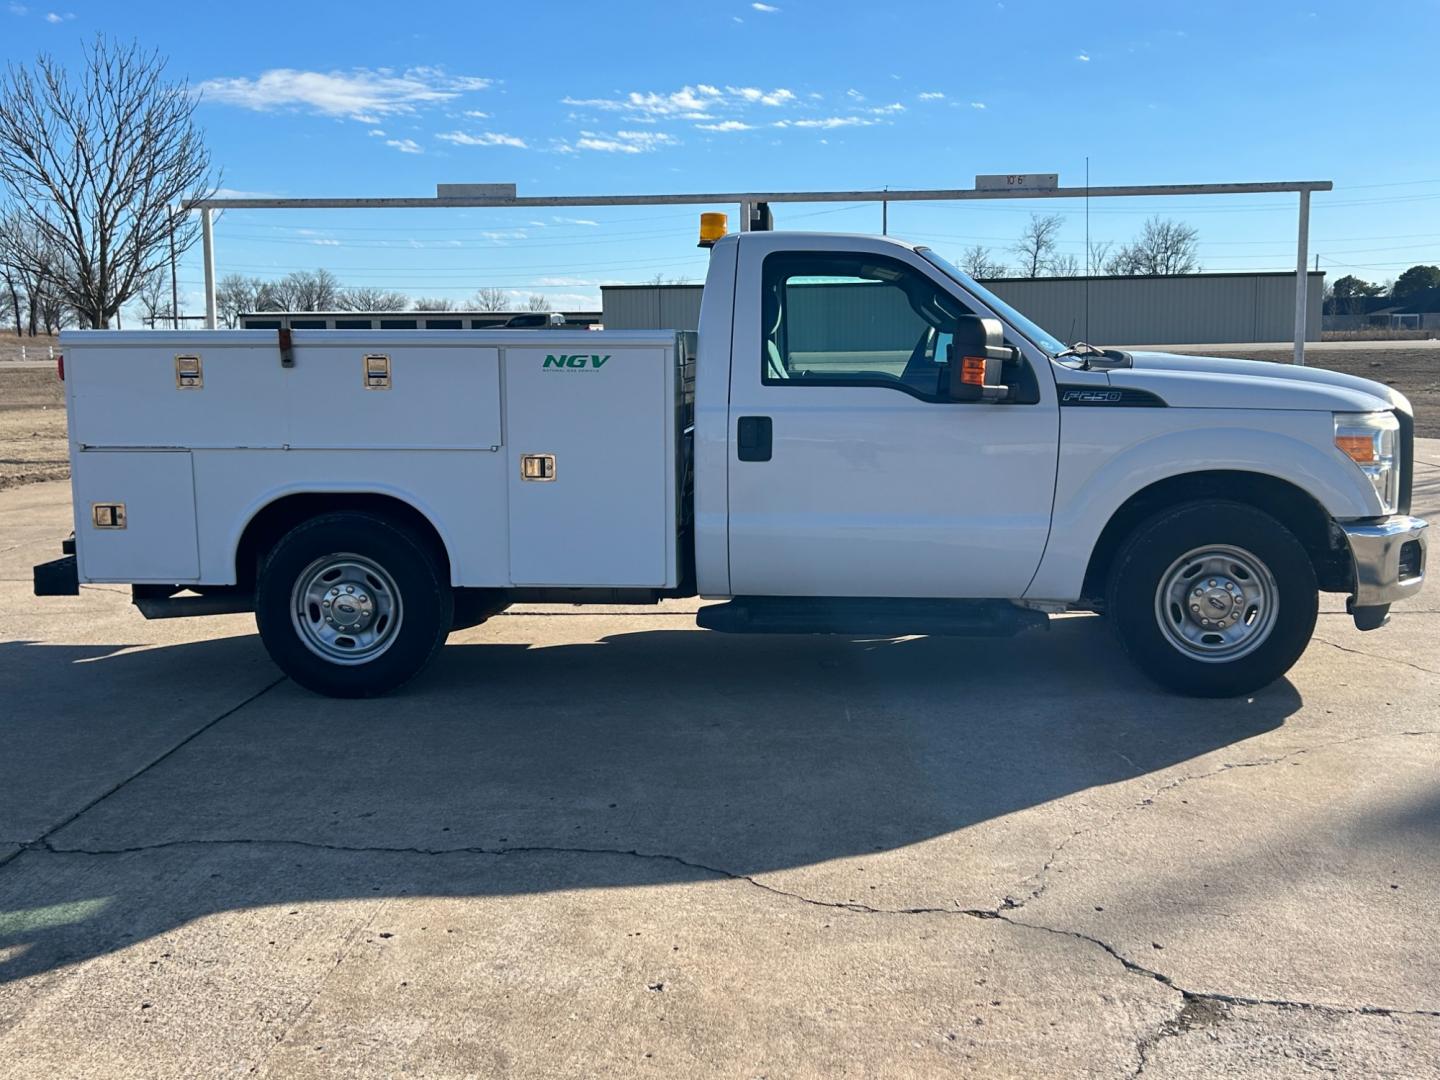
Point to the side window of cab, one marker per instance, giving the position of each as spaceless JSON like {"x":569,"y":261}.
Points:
{"x":841,"y":319}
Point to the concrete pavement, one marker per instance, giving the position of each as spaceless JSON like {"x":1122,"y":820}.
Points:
{"x":610,"y":844}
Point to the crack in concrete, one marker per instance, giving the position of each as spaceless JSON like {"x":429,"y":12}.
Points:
{"x":43,"y":840}
{"x":1011,"y":904}
{"x":987,"y":914}
{"x":1373,"y":656}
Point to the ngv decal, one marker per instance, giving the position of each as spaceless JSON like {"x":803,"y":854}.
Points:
{"x":590,"y":362}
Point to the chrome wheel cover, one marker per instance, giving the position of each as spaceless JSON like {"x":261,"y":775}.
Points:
{"x":345,"y":608}
{"x":1217,"y":603}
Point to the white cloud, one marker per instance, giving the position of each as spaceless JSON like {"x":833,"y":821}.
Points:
{"x":769,"y":9}
{"x":828,"y":122}
{"x":686,"y":100}
{"x":476,"y":114}
{"x":621,"y":142}
{"x":405,"y":146}
{"x":18,"y":9}
{"x":361,"y":93}
{"x":727,"y":125}
{"x":574,"y":221}
{"x":978,"y":105}
{"x":236,"y":193}
{"x":54,"y":18}
{"x":753,"y":95}
{"x":1084,"y":58}
{"x":932,"y":95}
{"x":881,"y":110}
{"x":698,"y":102}
{"x":325,"y":242}
{"x":485,"y":138}
{"x":854,"y":95}
{"x":501,"y":236}
{"x":376,"y":133}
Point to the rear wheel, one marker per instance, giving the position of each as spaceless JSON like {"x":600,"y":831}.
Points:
{"x":1213,"y":599}
{"x":352,"y":604}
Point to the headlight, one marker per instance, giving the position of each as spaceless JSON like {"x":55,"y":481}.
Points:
{"x":1369,"y":439}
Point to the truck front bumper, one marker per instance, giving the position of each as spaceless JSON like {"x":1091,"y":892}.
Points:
{"x":1389,"y":557}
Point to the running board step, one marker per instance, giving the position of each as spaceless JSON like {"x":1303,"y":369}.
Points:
{"x":868,"y":616}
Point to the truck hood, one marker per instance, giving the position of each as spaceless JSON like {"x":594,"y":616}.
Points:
{"x":1212,"y":382}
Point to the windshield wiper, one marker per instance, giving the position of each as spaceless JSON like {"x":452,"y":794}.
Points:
{"x":1082,"y":349}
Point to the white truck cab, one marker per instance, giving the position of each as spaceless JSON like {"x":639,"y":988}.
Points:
{"x":866,"y":441}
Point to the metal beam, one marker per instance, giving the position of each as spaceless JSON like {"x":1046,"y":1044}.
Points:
{"x":746,"y":200}
{"x":207,"y":236}
{"x":1302,"y":286}
{"x":698,"y":198}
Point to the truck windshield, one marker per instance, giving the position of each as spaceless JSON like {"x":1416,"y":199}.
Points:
{"x":1037,"y":335}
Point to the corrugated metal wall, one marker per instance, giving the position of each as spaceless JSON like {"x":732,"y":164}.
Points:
{"x":1182,"y":310}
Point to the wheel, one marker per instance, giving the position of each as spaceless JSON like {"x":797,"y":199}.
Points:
{"x":352,"y":604}
{"x":1213,"y":599}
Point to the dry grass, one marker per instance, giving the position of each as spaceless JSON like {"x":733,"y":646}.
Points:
{"x":36,"y":348}
{"x":33,"y":442}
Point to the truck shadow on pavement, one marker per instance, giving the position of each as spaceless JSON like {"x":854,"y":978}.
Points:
{"x":642,"y":758}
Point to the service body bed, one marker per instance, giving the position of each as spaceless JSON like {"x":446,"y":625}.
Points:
{"x":193,"y":460}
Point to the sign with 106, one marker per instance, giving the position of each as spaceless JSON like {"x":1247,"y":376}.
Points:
{"x":1018,"y":182}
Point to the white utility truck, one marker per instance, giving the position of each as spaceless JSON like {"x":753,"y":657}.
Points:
{"x":866,"y":443}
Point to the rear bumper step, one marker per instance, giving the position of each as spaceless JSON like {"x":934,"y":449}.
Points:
{"x":59,"y":577}
{"x":868,"y":617}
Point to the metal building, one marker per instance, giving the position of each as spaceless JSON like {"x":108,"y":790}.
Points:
{"x":1182,"y":309}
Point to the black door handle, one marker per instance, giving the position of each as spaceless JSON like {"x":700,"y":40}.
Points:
{"x":753,"y":438}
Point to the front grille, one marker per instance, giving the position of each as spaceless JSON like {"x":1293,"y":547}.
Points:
{"x":1407,"y":457}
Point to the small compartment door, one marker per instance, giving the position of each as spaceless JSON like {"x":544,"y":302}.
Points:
{"x":153,"y":538}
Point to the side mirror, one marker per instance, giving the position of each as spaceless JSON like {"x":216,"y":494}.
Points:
{"x":977,"y":360}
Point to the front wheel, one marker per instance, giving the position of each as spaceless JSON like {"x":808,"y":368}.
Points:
{"x":1213,"y":599}
{"x":352,"y":604}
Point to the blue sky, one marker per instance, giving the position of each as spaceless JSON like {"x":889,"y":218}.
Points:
{"x":564,"y":98}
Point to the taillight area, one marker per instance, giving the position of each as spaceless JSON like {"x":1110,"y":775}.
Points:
{"x":60,"y":366}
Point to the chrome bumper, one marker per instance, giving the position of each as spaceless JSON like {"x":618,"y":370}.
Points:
{"x":1389,"y":556}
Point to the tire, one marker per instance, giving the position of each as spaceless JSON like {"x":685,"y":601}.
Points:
{"x":352,"y":604}
{"x":1226,"y":639}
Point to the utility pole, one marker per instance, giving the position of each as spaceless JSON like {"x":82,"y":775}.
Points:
{"x":885,"y":215}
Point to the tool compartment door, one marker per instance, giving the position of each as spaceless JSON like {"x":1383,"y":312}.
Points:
{"x":157,"y":490}
{"x":606,"y":416}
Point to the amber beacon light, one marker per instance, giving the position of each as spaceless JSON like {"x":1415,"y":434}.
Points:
{"x":712,"y":228}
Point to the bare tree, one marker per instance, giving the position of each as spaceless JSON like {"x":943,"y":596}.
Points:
{"x":1067,"y":265}
{"x":236,"y":294}
{"x":978,"y":263}
{"x":434,"y":303}
{"x":537,"y":302}
{"x":311,"y":290}
{"x":369,"y":298}
{"x":154,"y":297}
{"x":491,"y":299}
{"x":31,"y":263}
{"x":661,"y":279}
{"x":1099,"y":255}
{"x":95,"y":163}
{"x":1036,"y":246}
{"x":1163,"y":247}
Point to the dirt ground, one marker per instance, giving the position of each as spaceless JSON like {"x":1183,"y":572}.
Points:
{"x":32,"y":403}
{"x":32,"y":426}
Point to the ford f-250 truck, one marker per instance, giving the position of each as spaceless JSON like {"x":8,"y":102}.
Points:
{"x":872,"y":444}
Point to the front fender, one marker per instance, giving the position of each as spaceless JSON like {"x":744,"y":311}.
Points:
{"x":1107,"y":455}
